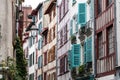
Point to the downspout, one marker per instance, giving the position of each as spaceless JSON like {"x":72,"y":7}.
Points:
{"x":56,"y":39}
{"x":115,"y":29}
{"x":94,"y":40}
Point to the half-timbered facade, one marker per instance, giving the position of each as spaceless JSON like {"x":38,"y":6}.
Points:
{"x":49,"y":40}
{"x":105,"y":39}
{"x":63,"y":43}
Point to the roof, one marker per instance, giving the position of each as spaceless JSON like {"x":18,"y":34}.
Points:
{"x":34,"y":11}
{"x":51,"y":4}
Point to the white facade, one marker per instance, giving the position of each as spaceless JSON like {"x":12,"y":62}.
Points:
{"x":117,"y":41}
{"x":109,"y":77}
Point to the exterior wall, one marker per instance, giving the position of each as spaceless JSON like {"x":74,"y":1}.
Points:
{"x":117,"y":43}
{"x":109,"y":77}
{"x":50,"y":68}
{"x":62,"y":51}
{"x":118,"y":30}
{"x":7,"y":28}
{"x":102,"y":21}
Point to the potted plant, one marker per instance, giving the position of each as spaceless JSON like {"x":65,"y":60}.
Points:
{"x":73,"y":39}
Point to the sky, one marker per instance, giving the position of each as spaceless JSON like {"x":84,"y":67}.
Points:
{"x":33,"y":3}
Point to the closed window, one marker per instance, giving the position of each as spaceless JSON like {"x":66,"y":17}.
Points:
{"x":110,"y":39}
{"x":108,"y":2}
{"x":45,"y":58}
{"x":31,"y":76}
{"x":40,"y":13}
{"x":63,"y":64}
{"x":40,"y":62}
{"x":99,"y":6}
{"x":100,"y":45}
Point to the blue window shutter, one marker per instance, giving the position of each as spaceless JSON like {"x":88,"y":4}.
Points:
{"x":40,"y":27}
{"x":71,"y":27}
{"x":70,"y":59}
{"x":39,"y":45}
{"x":33,"y":18}
{"x":82,"y":13}
{"x":84,"y":52}
{"x":89,"y":49}
{"x":39,"y":62}
{"x":76,"y":55}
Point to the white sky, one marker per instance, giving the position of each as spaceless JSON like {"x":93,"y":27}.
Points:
{"x":33,"y":3}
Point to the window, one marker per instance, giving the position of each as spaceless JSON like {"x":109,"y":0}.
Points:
{"x":33,"y":18}
{"x":61,"y":37}
{"x":65,"y":34}
{"x":33,"y":57}
{"x":31,"y":76}
{"x":30,"y":41}
{"x":100,"y":45}
{"x":110,"y":40}
{"x":30,"y":60}
{"x":50,"y":16}
{"x":40,"y":44}
{"x":63,"y":64}
{"x":108,"y":2}
{"x":40,"y":77}
{"x":99,"y":6}
{"x":40,"y":13}
{"x":63,"y":8}
{"x":54,"y":12}
{"x":40,"y":27}
{"x":54,"y":32}
{"x":45,"y":58}
{"x":45,"y":39}
{"x":51,"y":54}
{"x":40,"y":61}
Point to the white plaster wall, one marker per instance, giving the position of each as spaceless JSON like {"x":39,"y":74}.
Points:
{"x":110,"y":77}
{"x":118,"y":29}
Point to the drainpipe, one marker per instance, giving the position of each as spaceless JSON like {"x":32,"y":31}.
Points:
{"x":115,"y":28}
{"x":56,"y":39}
{"x":94,"y":41}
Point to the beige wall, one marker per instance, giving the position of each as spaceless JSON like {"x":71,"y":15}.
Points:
{"x":6,"y":48}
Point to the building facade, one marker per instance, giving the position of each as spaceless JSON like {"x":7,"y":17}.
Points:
{"x":105,"y":53}
{"x":49,"y":35}
{"x":63,"y":42}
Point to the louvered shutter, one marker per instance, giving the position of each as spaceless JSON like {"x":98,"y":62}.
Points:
{"x":75,"y":55}
{"x":82,"y":13}
{"x":89,"y":49}
{"x":84,"y":52}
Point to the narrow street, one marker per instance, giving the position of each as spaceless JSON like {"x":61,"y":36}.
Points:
{"x":59,"y":40}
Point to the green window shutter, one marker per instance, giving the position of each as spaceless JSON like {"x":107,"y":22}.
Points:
{"x":71,"y":27}
{"x":75,"y":55}
{"x":89,"y":49}
{"x":82,"y":13}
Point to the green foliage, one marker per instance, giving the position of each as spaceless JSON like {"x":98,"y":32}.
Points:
{"x":73,"y":39}
{"x":20,"y":61}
